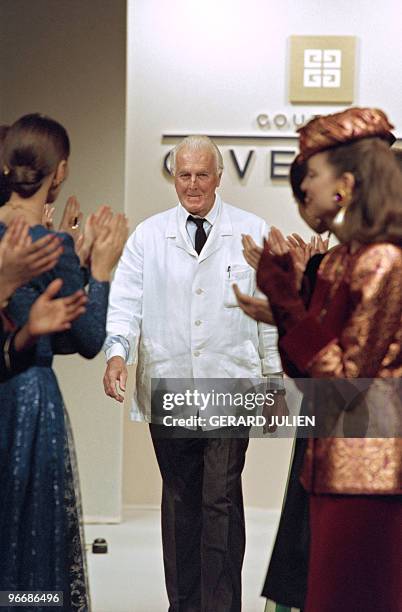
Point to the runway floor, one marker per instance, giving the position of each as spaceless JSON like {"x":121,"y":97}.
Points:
{"x":129,"y":578}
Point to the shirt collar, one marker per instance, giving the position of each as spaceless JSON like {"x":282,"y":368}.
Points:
{"x":211,"y":216}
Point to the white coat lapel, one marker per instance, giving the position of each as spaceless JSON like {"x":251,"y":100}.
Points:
{"x":222,"y":227}
{"x":177,"y":230}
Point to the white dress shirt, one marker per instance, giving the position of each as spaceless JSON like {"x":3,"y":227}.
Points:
{"x":209,"y":220}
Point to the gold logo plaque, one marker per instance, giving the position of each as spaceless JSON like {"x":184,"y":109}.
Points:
{"x":322,"y":69}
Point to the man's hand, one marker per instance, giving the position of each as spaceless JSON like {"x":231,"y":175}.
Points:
{"x":279,"y":409}
{"x":115,"y":378}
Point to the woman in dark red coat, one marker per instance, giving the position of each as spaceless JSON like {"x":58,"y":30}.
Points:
{"x":352,"y":329}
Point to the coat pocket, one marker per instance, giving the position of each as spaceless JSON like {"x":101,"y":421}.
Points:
{"x":244,"y":277}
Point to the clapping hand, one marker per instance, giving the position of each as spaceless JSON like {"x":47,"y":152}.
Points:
{"x":49,"y":315}
{"x":277,"y":269}
{"x":303,"y":251}
{"x":299,"y":250}
{"x":108,"y":246}
{"x":21,"y":259}
{"x":259,"y":308}
{"x":47,"y":217}
{"x":276,"y":242}
{"x":93,"y":226}
{"x":279,"y":279}
{"x":254,"y":307}
{"x":289,"y":256}
{"x":251,"y":251}
{"x":71,"y":219}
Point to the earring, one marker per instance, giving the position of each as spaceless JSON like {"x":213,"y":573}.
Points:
{"x":339,"y":218}
{"x":343,"y":199}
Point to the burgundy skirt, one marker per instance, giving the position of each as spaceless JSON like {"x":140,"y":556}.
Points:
{"x":356,"y":554}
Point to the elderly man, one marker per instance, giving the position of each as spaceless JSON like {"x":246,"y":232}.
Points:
{"x":173,"y":311}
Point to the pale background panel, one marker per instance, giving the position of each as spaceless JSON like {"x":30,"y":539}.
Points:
{"x":214,"y":66}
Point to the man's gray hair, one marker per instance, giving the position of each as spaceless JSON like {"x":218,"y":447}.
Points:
{"x":193,"y":143}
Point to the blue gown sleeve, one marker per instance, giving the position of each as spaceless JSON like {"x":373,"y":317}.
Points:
{"x":88,"y":332}
{"x":13,"y":362}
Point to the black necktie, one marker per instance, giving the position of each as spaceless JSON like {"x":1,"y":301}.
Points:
{"x":200,"y":235}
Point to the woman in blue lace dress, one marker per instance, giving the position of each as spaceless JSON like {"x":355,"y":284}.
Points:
{"x":41,"y":543}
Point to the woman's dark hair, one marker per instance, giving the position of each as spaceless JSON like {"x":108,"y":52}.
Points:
{"x":32,"y":149}
{"x":4,"y":190}
{"x":375,"y":213}
{"x":297,"y":173}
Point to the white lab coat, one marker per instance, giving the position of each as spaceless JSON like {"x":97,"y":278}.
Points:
{"x":177,"y":310}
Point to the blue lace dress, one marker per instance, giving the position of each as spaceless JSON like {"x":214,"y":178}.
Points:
{"x":41,"y":539}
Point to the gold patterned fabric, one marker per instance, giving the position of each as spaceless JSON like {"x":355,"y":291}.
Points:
{"x":368,"y":346}
{"x":322,"y":133}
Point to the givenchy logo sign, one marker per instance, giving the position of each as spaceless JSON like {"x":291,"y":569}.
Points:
{"x":322,"y":69}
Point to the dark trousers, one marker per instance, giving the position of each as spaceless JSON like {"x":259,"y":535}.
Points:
{"x":203,"y":531}
{"x":286,"y":581}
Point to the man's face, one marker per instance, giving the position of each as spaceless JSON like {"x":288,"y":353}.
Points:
{"x":196,"y":179}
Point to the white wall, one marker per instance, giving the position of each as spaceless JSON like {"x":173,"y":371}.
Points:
{"x":213,"y":66}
